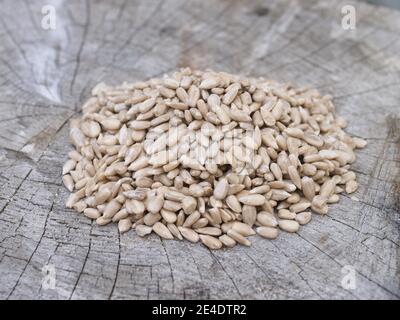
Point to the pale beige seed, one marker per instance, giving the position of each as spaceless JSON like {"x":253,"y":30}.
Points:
{"x":215,"y":215}
{"x":327,"y":188}
{"x":318,"y":205}
{"x":308,"y":169}
{"x":231,"y":93}
{"x":289,"y":225}
{"x":174,"y":230}
{"x":249,"y":214}
{"x":211,"y":231}
{"x":151,"y":218}
{"x":111,"y":124}
{"x":124,"y":225}
{"x":308,"y":187}
{"x":137,"y":194}
{"x":79,"y":206}
{"x":267,"y":219}
{"x":333,"y":198}
{"x":347,"y":177}
{"x":276,"y":171}
{"x":279,"y":194}
{"x":286,"y":214}
{"x":154,"y":203}
{"x":68,"y":166}
{"x":300,"y":206}
{"x":221,"y":189}
{"x":68,"y":182}
{"x":189,"y":204}
{"x":92,"y":213}
{"x":143,"y":230}
{"x":209,"y":83}
{"x":233,"y":203}
{"x":351,"y":186}
{"x":121,"y":214}
{"x":172,"y":205}
{"x":192,"y":218}
{"x":267,"y":232}
{"x":252,"y":199}
{"x":267,"y":116}
{"x":132,"y":153}
{"x":77,"y":137}
{"x":111,"y":209}
{"x":238,"y":237}
{"x":313,"y":140}
{"x":180,"y":219}
{"x":240,"y":116}
{"x":319,"y":201}
{"x":243,"y":228}
{"x":294,"y":176}
{"x":162,"y":231}
{"x":174,"y":195}
{"x":226,"y":226}
{"x":201,"y":223}
{"x":227,"y":241}
{"x":269,"y":140}
{"x":146,"y":105}
{"x":168,"y":216}
{"x":295,"y":132}
{"x":189,"y":234}
{"x":210,"y":242}
{"x":328,"y":154}
{"x":260,"y":189}
{"x":359,"y":143}
{"x":303,"y":217}
{"x":90,"y":129}
{"x":294,"y":198}
{"x":102,"y":221}
{"x":135,"y":206}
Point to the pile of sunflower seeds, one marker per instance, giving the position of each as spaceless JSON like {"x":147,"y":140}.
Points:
{"x":208,"y":156}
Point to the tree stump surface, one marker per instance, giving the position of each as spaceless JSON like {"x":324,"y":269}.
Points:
{"x":46,"y":75}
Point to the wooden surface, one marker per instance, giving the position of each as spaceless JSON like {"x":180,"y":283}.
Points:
{"x":46,"y":75}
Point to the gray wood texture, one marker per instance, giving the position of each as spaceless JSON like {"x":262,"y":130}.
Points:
{"x":46,"y":75}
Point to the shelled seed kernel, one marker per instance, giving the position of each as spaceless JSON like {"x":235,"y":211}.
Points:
{"x":208,"y":156}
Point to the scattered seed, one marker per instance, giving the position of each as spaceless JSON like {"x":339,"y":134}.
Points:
{"x":351,"y":186}
{"x":267,"y":232}
{"x":243,"y":228}
{"x":189,"y":234}
{"x":162,"y":231}
{"x":143,"y":230}
{"x":238,"y":237}
{"x":210,"y":242}
{"x":289,"y":225}
{"x":303,"y":217}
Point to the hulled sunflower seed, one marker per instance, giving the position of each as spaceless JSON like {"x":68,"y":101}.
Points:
{"x":267,"y":232}
{"x":208,"y":151}
{"x":210,"y":242}
{"x":238,"y":237}
{"x":162,"y":231}
{"x":289,"y":225}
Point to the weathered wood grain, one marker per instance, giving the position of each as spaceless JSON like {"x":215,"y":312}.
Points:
{"x":46,"y":75}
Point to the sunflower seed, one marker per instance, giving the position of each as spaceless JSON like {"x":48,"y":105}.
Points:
{"x":210,"y":242}
{"x":267,"y":232}
{"x":162,"y":231}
